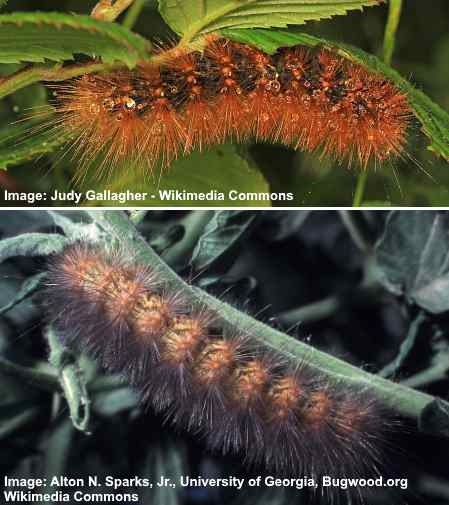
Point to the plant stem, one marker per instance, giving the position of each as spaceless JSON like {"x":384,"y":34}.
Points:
{"x":394,"y":15}
{"x":44,"y":380}
{"x":433,"y":374}
{"x":37,"y":73}
{"x":360,"y":188}
{"x":105,"y":11}
{"x":401,"y":399}
{"x":133,"y":13}
{"x":356,"y":226}
{"x":406,"y":347}
{"x":328,"y":307}
{"x":194,"y":224}
{"x":137,"y":216}
{"x":311,"y":312}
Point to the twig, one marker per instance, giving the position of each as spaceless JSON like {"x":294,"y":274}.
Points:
{"x":37,"y":73}
{"x":315,"y":311}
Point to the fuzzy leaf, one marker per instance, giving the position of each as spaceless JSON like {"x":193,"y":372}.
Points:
{"x":221,"y":236}
{"x":3,"y":3}
{"x":39,"y":37}
{"x":72,"y":379}
{"x":434,"y":120}
{"x":31,"y":244}
{"x":413,"y":258}
{"x":191,"y":18}
{"x":28,"y":287}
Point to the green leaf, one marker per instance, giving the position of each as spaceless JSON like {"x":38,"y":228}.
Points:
{"x":29,"y":287}
{"x":57,"y":450}
{"x":221,"y":236}
{"x":25,"y":141}
{"x":110,"y":403}
{"x":18,"y":415}
{"x":72,"y":379}
{"x":214,"y":172}
{"x":34,"y":376}
{"x":434,"y":120}
{"x":281,"y":224}
{"x":39,"y":37}
{"x":31,"y":244}
{"x":191,"y":18}
{"x":413,"y":258}
{"x":407,"y":346}
{"x":3,"y":3}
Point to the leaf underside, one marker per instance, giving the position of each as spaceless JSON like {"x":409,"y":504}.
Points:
{"x":191,"y":18}
{"x":413,"y":258}
{"x":39,"y":37}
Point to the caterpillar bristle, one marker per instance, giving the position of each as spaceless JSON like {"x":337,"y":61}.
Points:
{"x":304,"y":98}
{"x":229,"y":388}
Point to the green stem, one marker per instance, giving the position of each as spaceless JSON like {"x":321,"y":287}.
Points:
{"x":433,"y":374}
{"x":37,"y":73}
{"x":328,"y":307}
{"x":133,"y":13}
{"x":312,"y":312}
{"x":360,"y":188}
{"x":194,"y":224}
{"x":401,"y":399}
{"x":405,"y":348}
{"x":354,"y":222}
{"x":394,"y":15}
{"x":44,"y":380}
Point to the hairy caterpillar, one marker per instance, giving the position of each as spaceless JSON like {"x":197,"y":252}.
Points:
{"x":304,"y":98}
{"x":227,"y":388}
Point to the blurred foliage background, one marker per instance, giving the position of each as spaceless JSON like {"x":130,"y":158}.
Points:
{"x":303,"y":272}
{"x":422,"y":53}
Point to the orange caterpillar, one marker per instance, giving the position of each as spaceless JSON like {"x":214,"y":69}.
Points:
{"x":228,"y":388}
{"x":300,"y":97}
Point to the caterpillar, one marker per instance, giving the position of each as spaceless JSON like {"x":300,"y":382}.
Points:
{"x":305,"y":98}
{"x":224,"y":386}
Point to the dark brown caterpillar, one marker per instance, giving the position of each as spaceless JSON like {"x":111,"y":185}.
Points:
{"x":226,"y":388}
